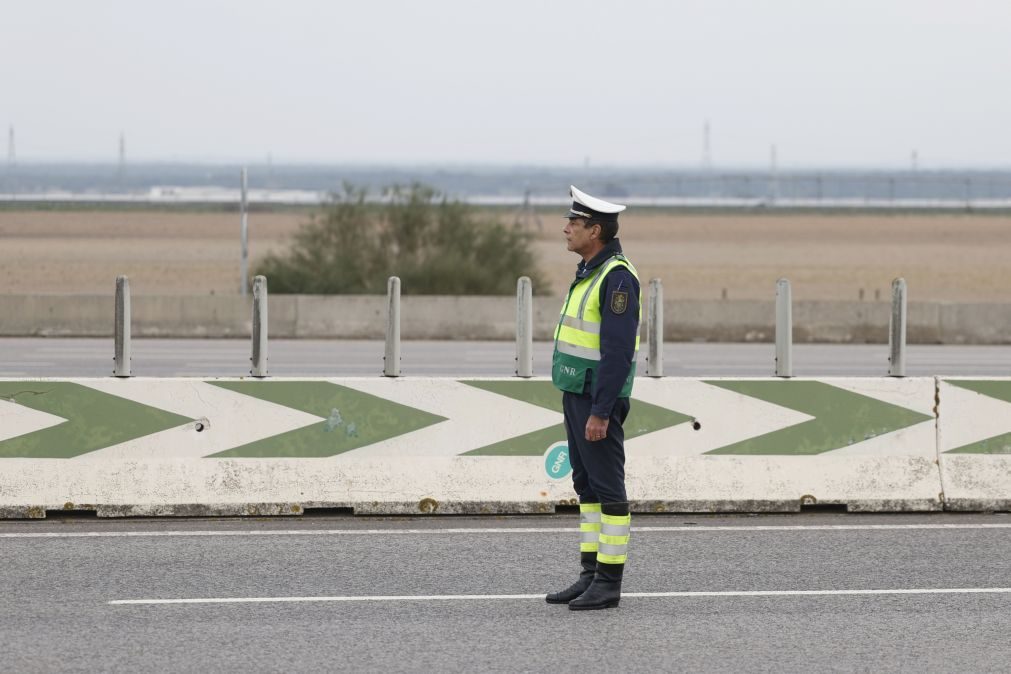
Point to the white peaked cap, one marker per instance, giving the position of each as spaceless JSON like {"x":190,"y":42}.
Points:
{"x":593,"y":203}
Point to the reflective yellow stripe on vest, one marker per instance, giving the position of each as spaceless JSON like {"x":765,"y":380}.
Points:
{"x":578,"y":331}
{"x":577,"y":337}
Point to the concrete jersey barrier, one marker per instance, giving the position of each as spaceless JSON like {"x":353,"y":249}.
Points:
{"x":140,"y":446}
{"x":974,"y":443}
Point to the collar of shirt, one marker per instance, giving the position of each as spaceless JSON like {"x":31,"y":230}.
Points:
{"x":611,"y":248}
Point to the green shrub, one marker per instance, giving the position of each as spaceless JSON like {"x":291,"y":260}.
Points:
{"x":436,"y":246}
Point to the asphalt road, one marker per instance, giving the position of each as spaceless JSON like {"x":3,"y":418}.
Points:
{"x":52,"y":357}
{"x":365,"y":594}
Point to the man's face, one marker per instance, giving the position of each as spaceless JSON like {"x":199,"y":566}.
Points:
{"x":578,"y":236}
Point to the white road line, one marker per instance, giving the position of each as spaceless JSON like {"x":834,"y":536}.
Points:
{"x":466,"y":597}
{"x":501,"y":530}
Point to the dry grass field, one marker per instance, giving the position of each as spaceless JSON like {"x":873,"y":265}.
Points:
{"x":956,"y":257}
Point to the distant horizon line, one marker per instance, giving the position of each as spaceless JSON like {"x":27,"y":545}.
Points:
{"x":498,"y":166}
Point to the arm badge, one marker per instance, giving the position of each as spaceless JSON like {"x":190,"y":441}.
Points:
{"x":619,"y":302}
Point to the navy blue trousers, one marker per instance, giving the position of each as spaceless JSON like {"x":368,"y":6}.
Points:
{"x":598,"y":468}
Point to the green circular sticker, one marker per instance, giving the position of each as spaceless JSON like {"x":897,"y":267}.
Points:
{"x":556,"y":461}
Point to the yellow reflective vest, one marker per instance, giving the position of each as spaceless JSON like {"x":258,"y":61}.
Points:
{"x":577,"y":337}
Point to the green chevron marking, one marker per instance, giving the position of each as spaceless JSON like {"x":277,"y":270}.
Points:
{"x":1001,"y":390}
{"x":998,"y":444}
{"x":642,"y":418}
{"x":540,"y":393}
{"x":94,"y":420}
{"x":534,"y":443}
{"x":350,"y":418}
{"x":842,"y":417}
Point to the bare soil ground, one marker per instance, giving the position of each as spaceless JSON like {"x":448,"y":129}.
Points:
{"x":956,"y":257}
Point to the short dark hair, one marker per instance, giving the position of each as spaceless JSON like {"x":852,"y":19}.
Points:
{"x":608,"y":228}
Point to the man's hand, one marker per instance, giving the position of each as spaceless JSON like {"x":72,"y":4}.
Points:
{"x":596,"y":428}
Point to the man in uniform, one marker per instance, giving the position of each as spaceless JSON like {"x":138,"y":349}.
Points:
{"x":596,"y":343}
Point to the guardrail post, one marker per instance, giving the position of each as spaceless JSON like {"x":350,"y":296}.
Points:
{"x":259,"y":358}
{"x":391,"y":361}
{"x":784,"y":329}
{"x":122,"y":328}
{"x":897,"y":330}
{"x":524,"y":328}
{"x":654,"y":329}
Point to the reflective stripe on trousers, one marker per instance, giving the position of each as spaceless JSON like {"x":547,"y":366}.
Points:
{"x":613,"y":543}
{"x":589,"y":526}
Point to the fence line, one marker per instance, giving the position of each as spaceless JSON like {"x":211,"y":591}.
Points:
{"x":525,"y":329}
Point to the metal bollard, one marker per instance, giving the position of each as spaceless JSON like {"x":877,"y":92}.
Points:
{"x":524,"y":328}
{"x":259,"y":358}
{"x":122,"y":328}
{"x":654,"y":329}
{"x":391,"y":361}
{"x":897,"y":330}
{"x":784,"y":329}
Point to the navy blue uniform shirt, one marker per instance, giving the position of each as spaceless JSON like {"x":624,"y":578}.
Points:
{"x":617,"y":330}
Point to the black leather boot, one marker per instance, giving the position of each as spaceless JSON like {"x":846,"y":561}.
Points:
{"x":588,"y":560}
{"x":604,"y":591}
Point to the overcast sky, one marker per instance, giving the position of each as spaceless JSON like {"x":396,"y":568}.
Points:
{"x":832,"y":83}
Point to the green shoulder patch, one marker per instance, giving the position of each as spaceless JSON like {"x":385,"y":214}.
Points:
{"x":619,"y":301}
